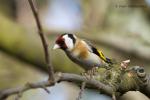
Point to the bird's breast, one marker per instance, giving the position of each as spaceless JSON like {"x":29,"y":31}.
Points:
{"x":91,"y":60}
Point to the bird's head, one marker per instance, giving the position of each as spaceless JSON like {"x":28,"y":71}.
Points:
{"x":65,"y":42}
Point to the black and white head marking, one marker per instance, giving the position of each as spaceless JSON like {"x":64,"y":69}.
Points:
{"x":72,"y":37}
{"x":65,"y":42}
{"x":70,"y":40}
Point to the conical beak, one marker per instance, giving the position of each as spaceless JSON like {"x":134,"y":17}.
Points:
{"x":56,"y":46}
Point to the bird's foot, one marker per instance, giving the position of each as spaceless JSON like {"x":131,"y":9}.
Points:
{"x":89,"y":74}
{"x":108,"y":67}
{"x":85,"y":74}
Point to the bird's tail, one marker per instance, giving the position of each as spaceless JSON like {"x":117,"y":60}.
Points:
{"x":107,"y":60}
{"x":110,"y":61}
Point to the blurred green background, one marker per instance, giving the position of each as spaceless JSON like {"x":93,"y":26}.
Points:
{"x":120,"y":28}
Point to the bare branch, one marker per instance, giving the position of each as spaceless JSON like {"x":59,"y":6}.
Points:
{"x":142,"y":83}
{"x":4,"y":94}
{"x":82,"y":90}
{"x":58,"y":77}
{"x":41,"y":34}
{"x":113,"y":96}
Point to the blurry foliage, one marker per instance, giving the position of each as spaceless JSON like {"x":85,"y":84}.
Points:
{"x":8,"y":7}
{"x":17,"y":40}
{"x":27,"y":46}
{"x":15,"y":72}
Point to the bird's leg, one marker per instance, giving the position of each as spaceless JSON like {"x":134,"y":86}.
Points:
{"x":94,"y":71}
{"x":86,"y":75}
{"x":89,"y":74}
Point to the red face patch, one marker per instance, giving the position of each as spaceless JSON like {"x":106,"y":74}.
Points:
{"x":61,"y":42}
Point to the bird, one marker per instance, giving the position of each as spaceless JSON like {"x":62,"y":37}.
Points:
{"x":81,"y":52}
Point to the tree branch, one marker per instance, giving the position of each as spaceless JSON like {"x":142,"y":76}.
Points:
{"x":45,"y":46}
{"x":58,"y":77}
{"x":133,"y":78}
{"x":81,"y":90}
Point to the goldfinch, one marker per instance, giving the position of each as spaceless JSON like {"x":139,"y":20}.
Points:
{"x":81,"y":52}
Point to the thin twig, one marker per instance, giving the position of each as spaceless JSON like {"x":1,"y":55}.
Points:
{"x":82,"y":90}
{"x":45,"y":46}
{"x":58,"y":77}
{"x":113,"y":96}
{"x":19,"y":95}
{"x":4,"y":94}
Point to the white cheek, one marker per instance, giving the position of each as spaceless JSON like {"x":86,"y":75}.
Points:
{"x":69,"y":42}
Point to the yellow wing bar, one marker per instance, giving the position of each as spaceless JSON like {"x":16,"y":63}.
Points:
{"x":101,"y":55}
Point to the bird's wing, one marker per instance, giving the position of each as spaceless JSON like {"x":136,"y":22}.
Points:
{"x":94,"y":50}
{"x":89,"y":45}
{"x":99,"y":53}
